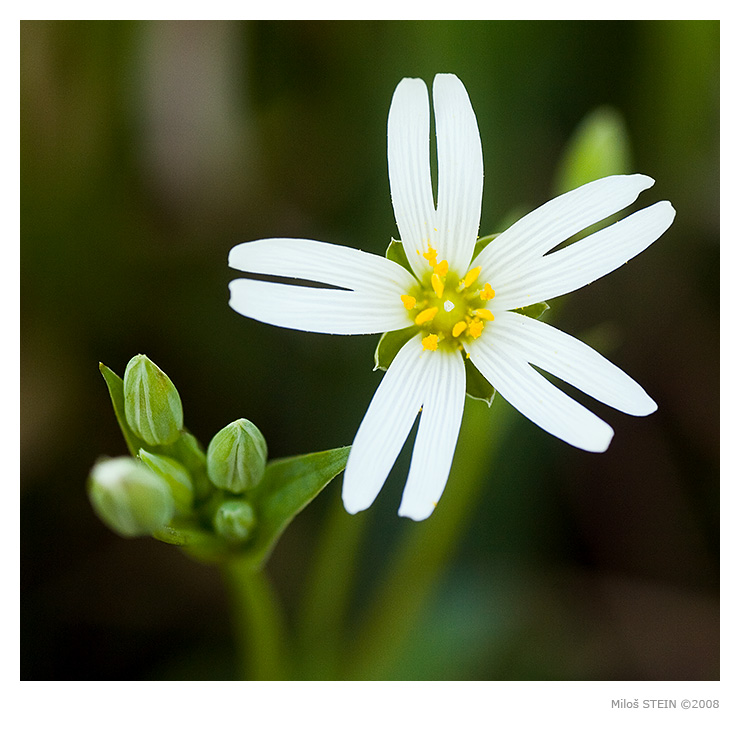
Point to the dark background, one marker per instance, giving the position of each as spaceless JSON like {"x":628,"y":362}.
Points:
{"x":148,"y":149}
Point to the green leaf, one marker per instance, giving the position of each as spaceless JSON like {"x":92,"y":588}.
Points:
{"x":288,"y":486}
{"x":389,"y":345}
{"x":395,"y":252}
{"x":534,"y":311}
{"x":476,"y":386}
{"x":115,"y":389}
{"x":599,"y":147}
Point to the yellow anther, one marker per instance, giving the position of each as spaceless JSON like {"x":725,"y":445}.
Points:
{"x":431,"y":257}
{"x":438,"y":285}
{"x":487,"y":293}
{"x":430,"y":342}
{"x":426,"y":315}
{"x":409,"y":302}
{"x":483,"y":314}
{"x":475,"y":328}
{"x":471,"y":276}
{"x":459,"y":328}
{"x":441,"y":268}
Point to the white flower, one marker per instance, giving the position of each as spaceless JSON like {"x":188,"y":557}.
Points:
{"x":459,"y":308}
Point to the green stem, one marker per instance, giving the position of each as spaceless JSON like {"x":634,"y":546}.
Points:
{"x":258,"y":622}
{"x":327,"y":594}
{"x":427,"y":548}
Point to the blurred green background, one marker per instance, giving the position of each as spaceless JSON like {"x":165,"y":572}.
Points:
{"x":148,"y":149}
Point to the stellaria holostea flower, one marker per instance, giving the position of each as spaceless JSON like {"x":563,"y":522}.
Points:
{"x":458,"y":306}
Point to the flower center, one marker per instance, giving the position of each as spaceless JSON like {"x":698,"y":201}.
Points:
{"x":448,"y":310}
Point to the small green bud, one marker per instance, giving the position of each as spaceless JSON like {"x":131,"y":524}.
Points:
{"x":236,"y":457}
{"x":151,"y":402}
{"x":130,"y":498}
{"x":234,"y":521}
{"x":175,"y":475}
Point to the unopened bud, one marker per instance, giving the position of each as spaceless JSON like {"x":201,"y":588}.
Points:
{"x":234,"y":521}
{"x":152,"y":404}
{"x":129,"y":498}
{"x":175,"y":475}
{"x":236,"y":457}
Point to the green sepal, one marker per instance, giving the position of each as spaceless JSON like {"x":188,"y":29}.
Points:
{"x":476,"y":386}
{"x":481,"y":244}
{"x":288,"y":486}
{"x":534,"y":311}
{"x":115,"y":389}
{"x":395,"y":252}
{"x":389,"y":345}
{"x":175,"y":475}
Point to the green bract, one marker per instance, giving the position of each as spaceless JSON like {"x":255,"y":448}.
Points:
{"x":237,"y":456}
{"x":175,"y":475}
{"x":129,"y":498}
{"x":152,"y":405}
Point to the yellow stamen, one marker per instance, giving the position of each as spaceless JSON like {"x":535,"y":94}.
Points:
{"x":483,"y":314}
{"x":471,"y":276}
{"x":459,"y":328}
{"x":409,"y":302}
{"x":426,"y":315}
{"x":475,"y":328}
{"x":430,"y":342}
{"x":431,"y":257}
{"x":487,"y":293}
{"x":441,"y":268}
{"x":438,"y":285}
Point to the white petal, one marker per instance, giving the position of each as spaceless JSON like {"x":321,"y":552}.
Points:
{"x":536,"y":398}
{"x":335,"y":311}
{"x":460,"y":172}
{"x":580,"y":263}
{"x":408,"y":169}
{"x":385,"y":427}
{"x":320,"y":262}
{"x":439,"y":428}
{"x":570,"y":360}
{"x":559,"y":219}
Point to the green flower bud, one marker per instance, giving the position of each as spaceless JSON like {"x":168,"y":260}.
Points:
{"x":129,"y":498}
{"x":236,"y":457}
{"x":151,"y":402}
{"x":175,"y":475}
{"x":234,"y":521}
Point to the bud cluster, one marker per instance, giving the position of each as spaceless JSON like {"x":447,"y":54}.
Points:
{"x":170,"y":488}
